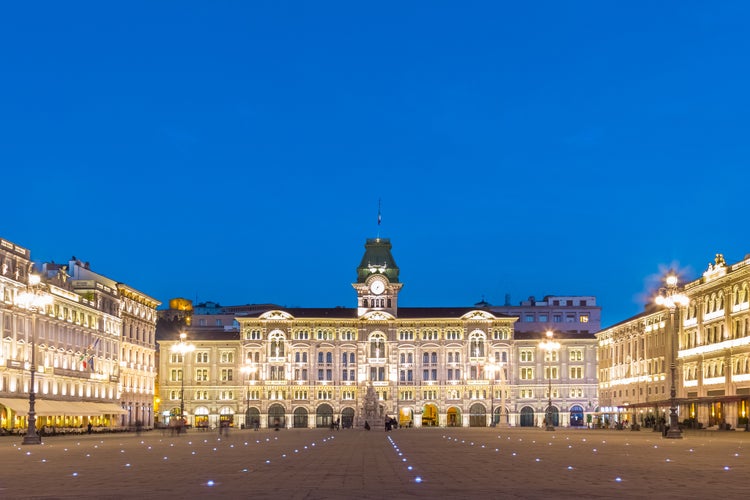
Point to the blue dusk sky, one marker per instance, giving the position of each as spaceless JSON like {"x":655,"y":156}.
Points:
{"x":236,"y":151}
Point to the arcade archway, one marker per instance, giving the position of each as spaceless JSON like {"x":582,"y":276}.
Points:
{"x":252,"y":417}
{"x":527,"y":417}
{"x":276,"y":416}
{"x":323,"y":416}
{"x":477,"y":415}
{"x":576,"y":416}
{"x":299,"y":420}
{"x":454,"y":417}
{"x":430,"y":416}
{"x":347,"y":418}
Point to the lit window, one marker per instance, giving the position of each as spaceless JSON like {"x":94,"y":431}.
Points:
{"x":576,"y":355}
{"x":584,"y":318}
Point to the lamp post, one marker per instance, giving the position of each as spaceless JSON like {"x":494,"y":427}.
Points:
{"x":183,"y":347}
{"x":671,"y":298}
{"x":493,"y":369}
{"x":549,"y":346}
{"x":503,"y":418}
{"x":33,"y":299}
{"x":249,"y":369}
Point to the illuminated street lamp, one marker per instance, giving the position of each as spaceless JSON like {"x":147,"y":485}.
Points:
{"x":503,"y":417}
{"x":549,"y":345}
{"x":671,"y":298}
{"x":183,"y":347}
{"x":493,"y":371}
{"x":496,"y":368}
{"x":33,"y":299}
{"x":249,"y":369}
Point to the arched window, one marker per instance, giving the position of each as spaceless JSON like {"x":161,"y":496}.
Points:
{"x":476,"y":344}
{"x":377,"y":345}
{"x":276,"y":344}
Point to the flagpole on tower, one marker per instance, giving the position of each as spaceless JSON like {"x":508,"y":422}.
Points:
{"x":380,"y":218}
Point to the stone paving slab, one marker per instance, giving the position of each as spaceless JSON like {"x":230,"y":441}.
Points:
{"x":406,"y":463}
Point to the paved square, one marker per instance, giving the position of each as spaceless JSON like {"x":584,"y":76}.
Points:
{"x":406,"y":463}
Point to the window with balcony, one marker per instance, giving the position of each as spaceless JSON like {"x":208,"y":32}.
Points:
{"x":377,"y":346}
{"x":377,"y":373}
{"x":277,"y":373}
{"x":276,"y":345}
{"x":477,"y":344}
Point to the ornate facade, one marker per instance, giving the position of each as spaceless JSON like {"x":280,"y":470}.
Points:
{"x":712,"y":354}
{"x":308,"y":367}
{"x":76,"y":343}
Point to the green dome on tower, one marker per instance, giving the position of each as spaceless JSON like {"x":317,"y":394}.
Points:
{"x":377,"y":260}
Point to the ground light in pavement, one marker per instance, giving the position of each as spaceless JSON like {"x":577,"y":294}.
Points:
{"x":414,"y":463}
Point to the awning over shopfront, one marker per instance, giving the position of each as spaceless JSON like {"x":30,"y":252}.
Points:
{"x":108,"y":409}
{"x":684,"y":401}
{"x":51,"y":408}
{"x":19,"y":406}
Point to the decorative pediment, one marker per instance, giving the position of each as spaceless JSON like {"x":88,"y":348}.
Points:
{"x":377,"y":316}
{"x":276,"y":315}
{"x":477,"y":316}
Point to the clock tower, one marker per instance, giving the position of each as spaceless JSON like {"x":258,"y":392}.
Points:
{"x":377,"y":279}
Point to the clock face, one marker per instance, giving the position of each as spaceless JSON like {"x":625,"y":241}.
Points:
{"x":377,"y":287}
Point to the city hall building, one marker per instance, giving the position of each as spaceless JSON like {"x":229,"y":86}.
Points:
{"x":423,"y":366}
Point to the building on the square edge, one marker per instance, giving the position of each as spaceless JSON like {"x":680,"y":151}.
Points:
{"x":712,"y":355}
{"x":93,"y":347}
{"x":425,"y":366}
{"x":137,"y":312}
{"x":566,"y":314}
